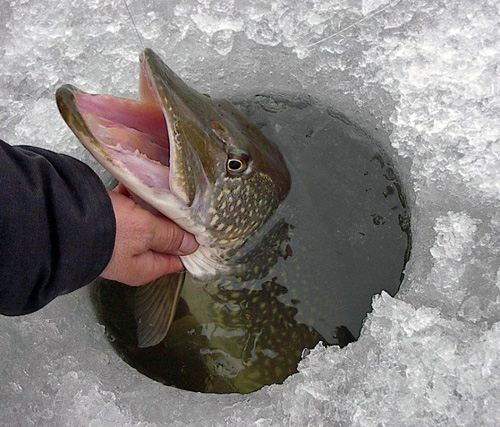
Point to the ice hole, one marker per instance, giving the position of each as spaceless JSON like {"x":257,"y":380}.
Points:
{"x":342,"y":236}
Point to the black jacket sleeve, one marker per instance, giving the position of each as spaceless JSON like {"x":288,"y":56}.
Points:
{"x":57,"y":227}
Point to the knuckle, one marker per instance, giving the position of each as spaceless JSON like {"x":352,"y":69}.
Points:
{"x":175,"y":236}
{"x":146,"y":231}
{"x":149,"y":236}
{"x":169,"y":234}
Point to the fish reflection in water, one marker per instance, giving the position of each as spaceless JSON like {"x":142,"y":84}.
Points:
{"x":232,"y":335}
{"x":255,"y":341}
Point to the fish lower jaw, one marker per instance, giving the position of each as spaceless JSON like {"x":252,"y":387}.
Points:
{"x":148,"y":184}
{"x":206,"y":264}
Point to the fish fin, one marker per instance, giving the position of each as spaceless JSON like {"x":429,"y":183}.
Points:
{"x":155,"y":305}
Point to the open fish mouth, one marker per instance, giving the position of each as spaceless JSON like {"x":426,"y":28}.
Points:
{"x":132,"y":134}
{"x":195,"y":160}
{"x":129,"y":137}
{"x":156,"y":146}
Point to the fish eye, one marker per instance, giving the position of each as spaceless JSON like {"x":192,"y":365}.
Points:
{"x":235,"y":165}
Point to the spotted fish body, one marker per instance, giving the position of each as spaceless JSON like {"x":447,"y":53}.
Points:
{"x":201,"y":163}
{"x":241,"y":329}
{"x":243,"y":337}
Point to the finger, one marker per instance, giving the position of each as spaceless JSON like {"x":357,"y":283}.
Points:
{"x":153,"y":265}
{"x":169,"y":238}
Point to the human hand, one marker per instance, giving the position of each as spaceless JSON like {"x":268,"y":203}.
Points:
{"x":146,"y":246}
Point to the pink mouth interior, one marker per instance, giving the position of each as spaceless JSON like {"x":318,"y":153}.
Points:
{"x":133,"y":133}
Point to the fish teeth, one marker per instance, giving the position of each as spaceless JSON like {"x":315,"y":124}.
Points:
{"x":138,"y":153}
{"x":141,"y":154}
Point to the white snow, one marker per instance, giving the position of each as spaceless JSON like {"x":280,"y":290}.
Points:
{"x":420,"y":75}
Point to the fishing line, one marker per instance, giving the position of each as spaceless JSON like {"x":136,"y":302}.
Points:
{"x":141,"y":41}
{"x":354,"y":24}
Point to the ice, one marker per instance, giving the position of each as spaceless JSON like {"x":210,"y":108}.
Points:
{"x":421,"y":76}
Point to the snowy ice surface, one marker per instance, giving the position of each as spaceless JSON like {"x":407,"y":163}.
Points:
{"x":421,"y":75}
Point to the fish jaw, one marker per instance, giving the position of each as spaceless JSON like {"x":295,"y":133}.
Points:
{"x":158,"y":146}
{"x":197,"y":158}
{"x":172,"y":150}
{"x":132,"y":139}
{"x":129,"y":138}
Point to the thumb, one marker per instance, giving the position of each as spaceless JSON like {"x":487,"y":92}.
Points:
{"x":168,"y":237}
{"x":152,"y":265}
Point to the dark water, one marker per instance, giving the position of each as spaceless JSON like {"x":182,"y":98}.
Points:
{"x":342,"y":237}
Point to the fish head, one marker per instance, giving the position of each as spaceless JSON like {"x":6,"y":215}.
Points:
{"x":198,"y":161}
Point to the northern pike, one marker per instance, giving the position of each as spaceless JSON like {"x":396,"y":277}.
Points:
{"x":201,"y":163}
